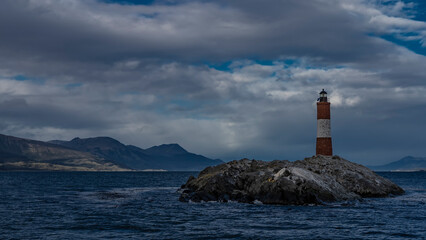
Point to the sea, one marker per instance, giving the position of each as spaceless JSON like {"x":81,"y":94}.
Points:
{"x":145,"y":205}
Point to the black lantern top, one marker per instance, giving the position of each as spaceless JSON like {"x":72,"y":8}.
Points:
{"x":323,"y":96}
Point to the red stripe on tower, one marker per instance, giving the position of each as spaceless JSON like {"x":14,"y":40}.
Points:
{"x":324,"y":146}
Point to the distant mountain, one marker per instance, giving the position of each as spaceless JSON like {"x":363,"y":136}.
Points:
{"x":109,"y":148}
{"x":24,"y":154}
{"x":408,"y":163}
{"x":166,"y":150}
{"x":166,"y":156}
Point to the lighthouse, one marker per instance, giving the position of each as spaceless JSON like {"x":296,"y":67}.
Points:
{"x":323,"y":126}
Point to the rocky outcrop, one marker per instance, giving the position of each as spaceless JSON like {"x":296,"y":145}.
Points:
{"x":315,"y":180}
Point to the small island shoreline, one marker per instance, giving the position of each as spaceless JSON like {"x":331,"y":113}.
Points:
{"x":316,"y":180}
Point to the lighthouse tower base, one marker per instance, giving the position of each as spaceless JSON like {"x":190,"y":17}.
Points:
{"x":324,"y":147}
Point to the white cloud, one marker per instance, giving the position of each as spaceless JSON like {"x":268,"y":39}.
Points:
{"x":391,"y":19}
{"x":145,"y":75}
{"x":127,"y":65}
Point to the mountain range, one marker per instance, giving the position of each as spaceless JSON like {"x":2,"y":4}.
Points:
{"x":95,"y":154}
{"x":408,"y":163}
{"x":24,"y":154}
{"x":108,"y":154}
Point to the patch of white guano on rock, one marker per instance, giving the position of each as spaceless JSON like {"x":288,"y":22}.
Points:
{"x":299,"y":172}
{"x":302,"y":174}
{"x":323,"y":128}
{"x":279,"y":173}
{"x":325,"y":183}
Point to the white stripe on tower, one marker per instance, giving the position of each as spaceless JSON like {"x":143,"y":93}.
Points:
{"x":323,"y":128}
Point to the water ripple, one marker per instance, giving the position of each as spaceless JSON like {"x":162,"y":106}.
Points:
{"x":146,"y":206}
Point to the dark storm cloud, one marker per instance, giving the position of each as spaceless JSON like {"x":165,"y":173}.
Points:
{"x":88,"y":31}
{"x":227,"y":79}
{"x":18,"y":111}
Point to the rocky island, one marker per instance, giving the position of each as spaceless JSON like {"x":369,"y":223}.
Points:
{"x":316,"y":180}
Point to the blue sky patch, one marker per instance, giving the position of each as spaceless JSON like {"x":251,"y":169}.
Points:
{"x":73,"y":85}
{"x":30,"y":79}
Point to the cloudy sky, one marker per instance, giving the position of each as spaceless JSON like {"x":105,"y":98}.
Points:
{"x":227,"y":79}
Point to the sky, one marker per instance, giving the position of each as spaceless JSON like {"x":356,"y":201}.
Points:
{"x":226,"y":79}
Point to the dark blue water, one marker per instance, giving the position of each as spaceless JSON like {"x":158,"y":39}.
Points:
{"x":141,"y":205}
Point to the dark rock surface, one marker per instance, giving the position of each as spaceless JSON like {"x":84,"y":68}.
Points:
{"x":313,"y":180}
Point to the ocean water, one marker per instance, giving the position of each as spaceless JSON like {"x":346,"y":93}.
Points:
{"x":144,"y":205}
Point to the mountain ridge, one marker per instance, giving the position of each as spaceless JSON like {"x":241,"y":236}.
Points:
{"x":27,"y":154}
{"x":408,"y":163}
{"x":165,"y":156}
{"x":95,"y":154}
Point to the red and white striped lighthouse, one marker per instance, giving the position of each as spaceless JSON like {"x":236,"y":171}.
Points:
{"x":323,"y":126}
